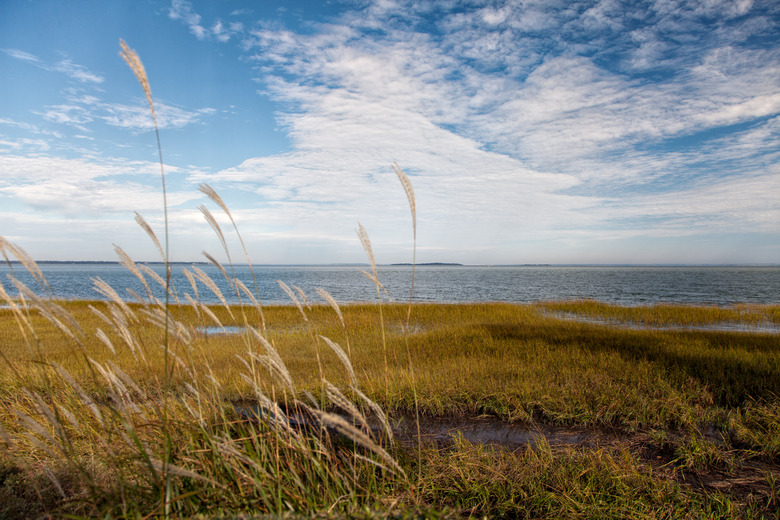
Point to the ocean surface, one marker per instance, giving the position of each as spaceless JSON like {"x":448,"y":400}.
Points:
{"x":451,"y":284}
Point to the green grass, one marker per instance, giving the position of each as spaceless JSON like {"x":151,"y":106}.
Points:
{"x":668,"y":314}
{"x":707,"y":400}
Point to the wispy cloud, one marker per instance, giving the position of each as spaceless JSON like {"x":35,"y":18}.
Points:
{"x":81,"y":111}
{"x":138,"y":117}
{"x":182,"y":10}
{"x":65,"y":65}
{"x":21,"y":55}
{"x":83,"y":187}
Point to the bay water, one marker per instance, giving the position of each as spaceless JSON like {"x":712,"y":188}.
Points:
{"x":622,"y":285}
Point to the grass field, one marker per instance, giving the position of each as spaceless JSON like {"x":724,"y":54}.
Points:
{"x":688,"y":421}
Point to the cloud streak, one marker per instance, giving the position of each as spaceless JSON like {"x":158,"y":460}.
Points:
{"x":65,"y":66}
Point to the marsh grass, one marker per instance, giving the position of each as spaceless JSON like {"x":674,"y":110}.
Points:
{"x":507,"y":361}
{"x":670,"y":315}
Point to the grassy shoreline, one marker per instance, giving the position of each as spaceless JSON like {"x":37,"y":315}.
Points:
{"x":690,"y":405}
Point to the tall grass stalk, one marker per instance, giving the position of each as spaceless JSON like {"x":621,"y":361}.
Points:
{"x":135,"y":64}
{"x":374,"y":277}
{"x":407,"y":185}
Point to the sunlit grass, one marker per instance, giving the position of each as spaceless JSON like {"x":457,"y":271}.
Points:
{"x":670,"y":315}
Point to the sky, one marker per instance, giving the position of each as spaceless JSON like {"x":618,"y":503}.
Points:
{"x":562,"y":132}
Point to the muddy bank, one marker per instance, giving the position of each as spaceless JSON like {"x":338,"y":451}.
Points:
{"x":745,"y":477}
{"x":444,"y":431}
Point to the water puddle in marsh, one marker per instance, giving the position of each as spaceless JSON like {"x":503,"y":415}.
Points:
{"x":221,"y":331}
{"x":752,"y":328}
{"x":445,"y":431}
{"x":213,"y":330}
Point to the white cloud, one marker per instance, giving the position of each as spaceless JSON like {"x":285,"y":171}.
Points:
{"x":78,"y":187}
{"x":542,"y":121}
{"x":83,"y":110}
{"x":21,"y":55}
{"x":138,"y":117}
{"x":74,"y":115}
{"x":66,"y":66}
{"x":182,"y":10}
{"x":501,"y":133}
{"x":78,"y":72}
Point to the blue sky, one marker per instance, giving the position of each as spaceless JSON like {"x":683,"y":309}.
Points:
{"x":532,"y":131}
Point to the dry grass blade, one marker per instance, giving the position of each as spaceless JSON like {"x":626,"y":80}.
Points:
{"x":339,"y":399}
{"x":25,"y":259}
{"x":52,"y":312}
{"x":35,"y":427}
{"x":46,"y":412}
{"x":406,"y":183}
{"x":5,"y":438}
{"x":292,"y":296}
{"x":302,"y":294}
{"x":380,"y":414}
{"x":85,"y":399}
{"x":208,"y":312}
{"x":221,"y":269}
{"x":131,"y":266}
{"x":105,"y":340}
{"x":376,"y":282}
{"x":208,"y":282}
{"x":277,"y":362}
{"x":159,"y":279}
{"x":214,"y":196}
{"x":69,"y":416}
{"x":244,"y":289}
{"x":132,"y":59}
{"x":275,"y":416}
{"x":97,"y":312}
{"x":127,"y":379}
{"x":366,"y":242}
{"x":149,"y":231}
{"x":325,"y":295}
{"x":359,"y":437}
{"x":162,"y":319}
{"x":192,"y":281}
{"x":343,"y":358}
{"x":182,"y":472}
{"x":55,"y":482}
{"x":106,"y":290}
{"x":193,"y":304}
{"x":19,"y":316}
{"x":214,"y":225}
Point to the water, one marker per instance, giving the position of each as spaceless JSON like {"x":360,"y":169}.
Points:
{"x":446,"y":284}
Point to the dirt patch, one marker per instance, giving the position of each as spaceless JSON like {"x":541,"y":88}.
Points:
{"x":749,"y":479}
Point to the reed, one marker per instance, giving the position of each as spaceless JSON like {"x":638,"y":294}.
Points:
{"x":180,"y":440}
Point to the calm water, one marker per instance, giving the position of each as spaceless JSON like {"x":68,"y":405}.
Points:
{"x":619,"y":285}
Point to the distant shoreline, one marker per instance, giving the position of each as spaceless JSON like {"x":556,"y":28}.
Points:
{"x":398,"y":264}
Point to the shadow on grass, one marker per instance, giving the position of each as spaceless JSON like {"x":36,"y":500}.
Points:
{"x":734,"y":367}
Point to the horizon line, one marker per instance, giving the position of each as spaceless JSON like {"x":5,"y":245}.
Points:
{"x":423,"y":264}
